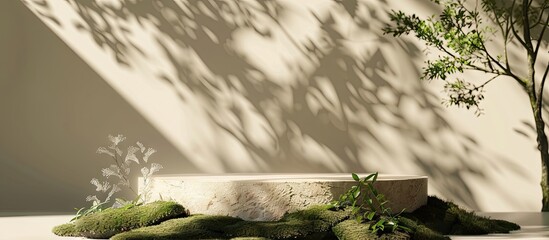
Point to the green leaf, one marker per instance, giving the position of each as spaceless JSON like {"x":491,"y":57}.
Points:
{"x":380,"y":197}
{"x":356,"y":193}
{"x":369,"y":177}
{"x":372,"y":189}
{"x":371,"y":215}
{"x":355,"y":177}
{"x":370,"y":203}
{"x":381,"y":223}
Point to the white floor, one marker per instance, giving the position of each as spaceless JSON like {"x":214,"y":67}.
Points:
{"x":534,"y":226}
{"x":31,"y":227}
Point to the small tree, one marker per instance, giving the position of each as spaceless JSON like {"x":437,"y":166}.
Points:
{"x":464,"y":40}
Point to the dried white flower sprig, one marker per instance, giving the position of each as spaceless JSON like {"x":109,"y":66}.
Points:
{"x":117,"y":174}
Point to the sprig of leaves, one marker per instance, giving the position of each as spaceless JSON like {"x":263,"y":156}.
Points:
{"x":368,"y":205}
{"x":459,"y":35}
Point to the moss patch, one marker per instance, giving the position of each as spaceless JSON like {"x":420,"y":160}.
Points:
{"x":430,"y":222}
{"x":313,"y":223}
{"x":112,"y":221}
{"x":420,"y":231}
{"x":67,"y":230}
{"x":352,"y":230}
{"x":193,"y":227}
{"x":447,"y":218}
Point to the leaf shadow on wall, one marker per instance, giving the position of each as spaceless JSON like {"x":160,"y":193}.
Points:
{"x":43,"y":9}
{"x":346,"y":102}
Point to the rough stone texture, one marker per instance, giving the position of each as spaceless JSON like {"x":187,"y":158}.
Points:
{"x":268,"y":196}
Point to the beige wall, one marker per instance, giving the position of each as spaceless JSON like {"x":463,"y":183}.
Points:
{"x":55,"y":112}
{"x":294,"y":87}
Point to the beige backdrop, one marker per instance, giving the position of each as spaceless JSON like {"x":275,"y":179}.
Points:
{"x":282,"y":86}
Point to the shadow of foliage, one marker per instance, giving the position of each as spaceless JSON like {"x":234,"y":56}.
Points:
{"x":344,"y":94}
{"x":43,"y":9}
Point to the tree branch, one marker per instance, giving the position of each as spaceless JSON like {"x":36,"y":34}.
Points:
{"x":520,"y":81}
{"x":506,"y":38}
{"x":529,"y":50}
{"x":525,"y":28}
{"x":539,"y":101}
{"x":515,"y":33}
{"x":484,"y":70}
{"x":489,"y":80}
{"x":492,"y":59}
{"x":540,"y":17}
{"x":513,"y":30}
{"x":507,"y":68}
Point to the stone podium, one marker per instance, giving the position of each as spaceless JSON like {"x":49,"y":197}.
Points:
{"x":265,"y":197}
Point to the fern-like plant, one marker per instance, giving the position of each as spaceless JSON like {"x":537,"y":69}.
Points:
{"x":116,"y":176}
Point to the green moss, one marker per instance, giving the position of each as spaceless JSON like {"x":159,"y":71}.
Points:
{"x":312,"y":223}
{"x":109,"y":222}
{"x":193,"y":227}
{"x":319,"y":212}
{"x":316,"y":219}
{"x":249,"y":238}
{"x":420,"y":231}
{"x":352,"y":230}
{"x":431,"y":222}
{"x":66,"y":229}
{"x":448,"y":219}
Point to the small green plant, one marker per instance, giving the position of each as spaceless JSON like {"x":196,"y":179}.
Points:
{"x":117,"y":176}
{"x":368,"y":205}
